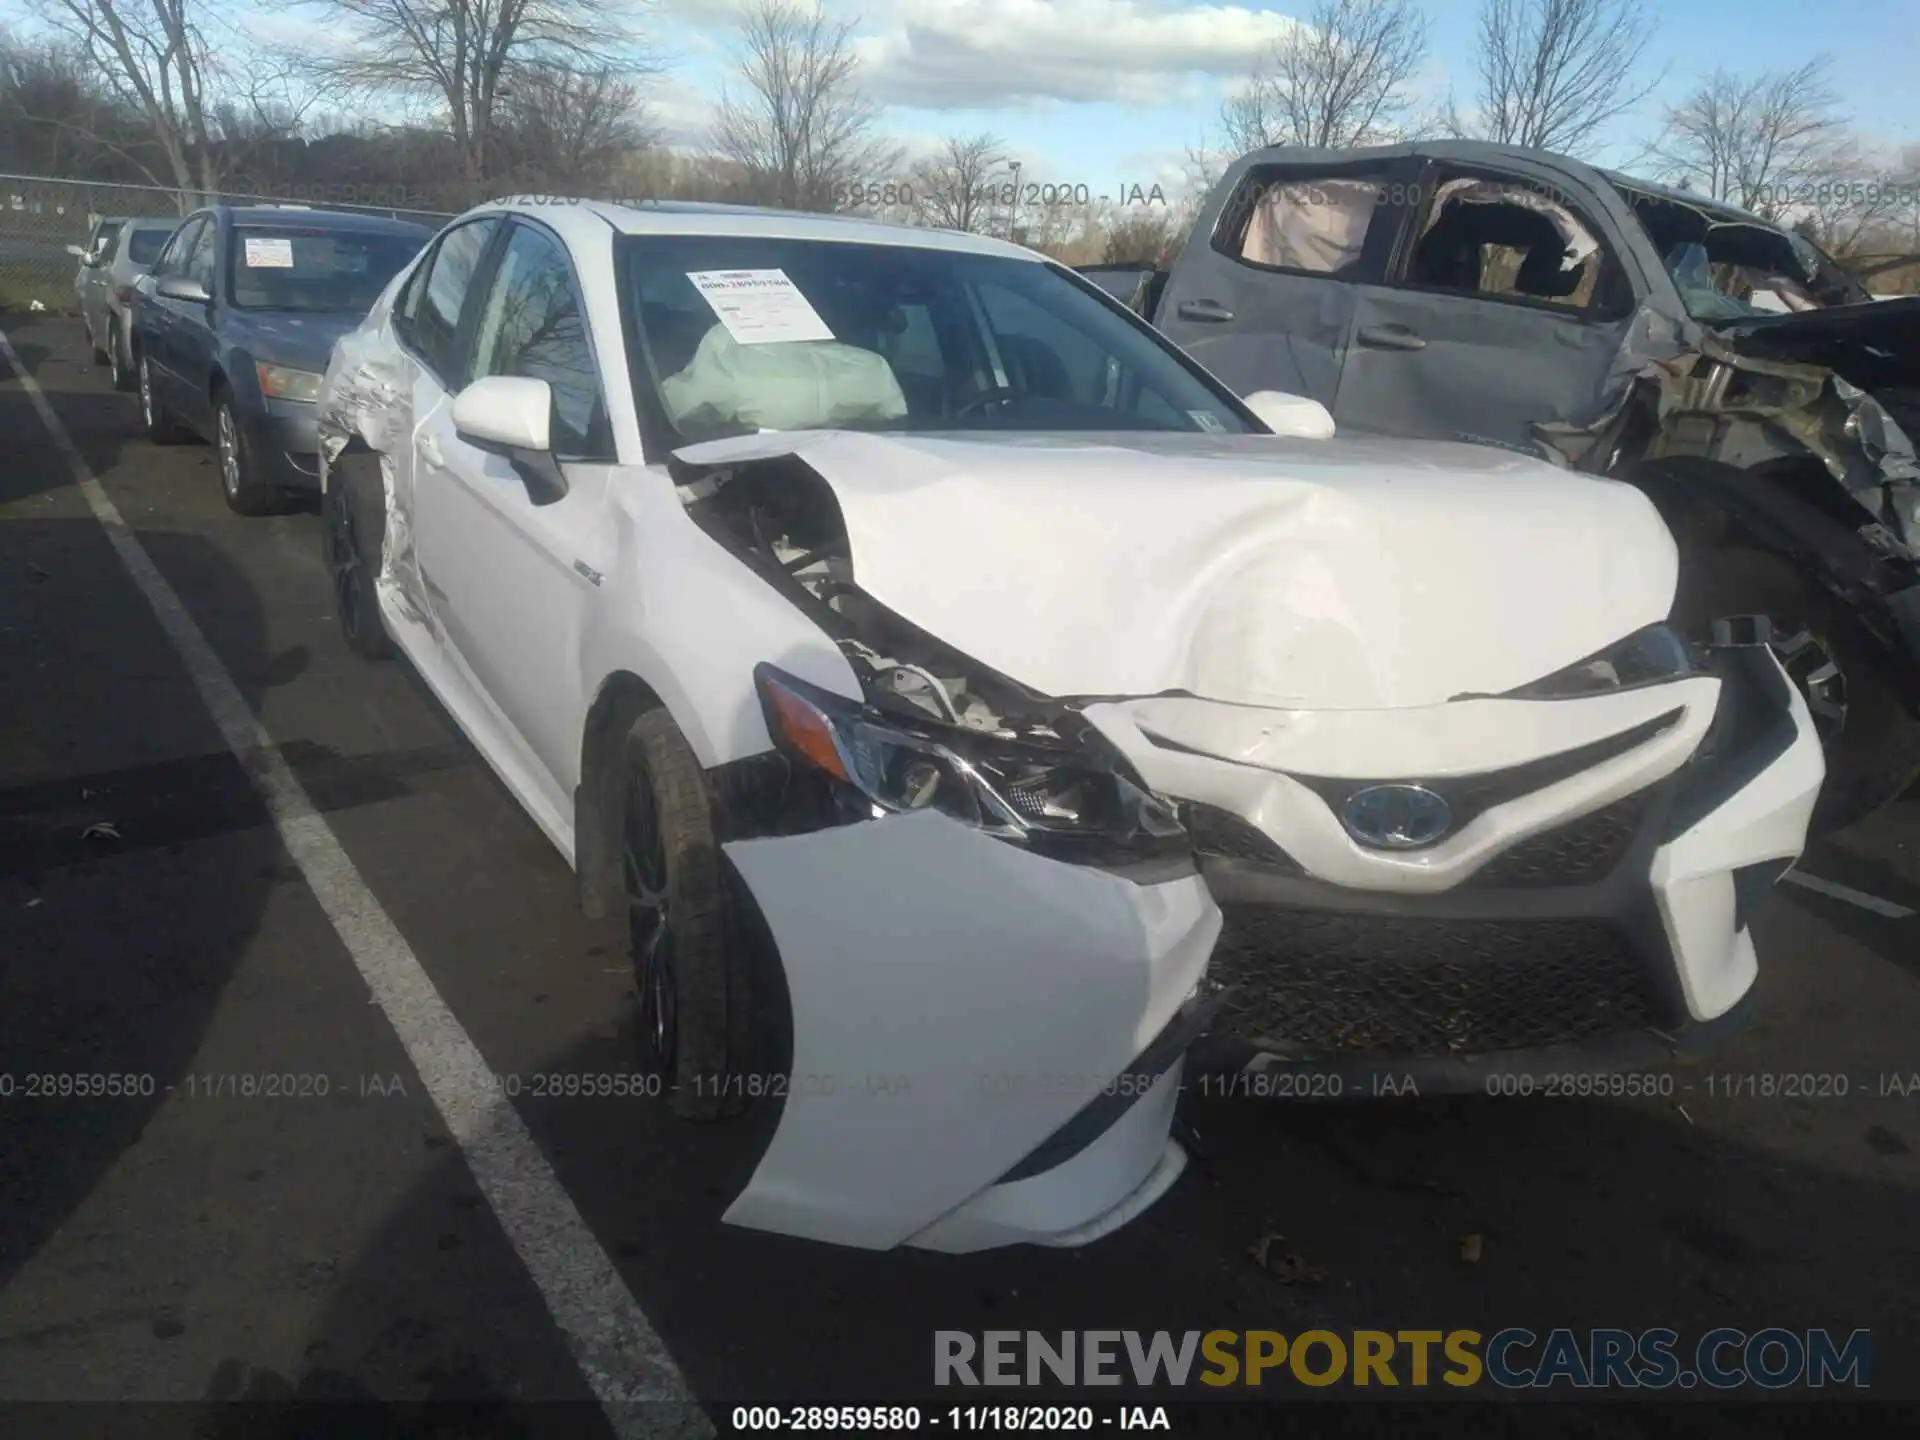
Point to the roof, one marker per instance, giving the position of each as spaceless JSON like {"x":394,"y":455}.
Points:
{"x":1721,"y":208}
{"x":321,"y":219}
{"x":577,"y":218}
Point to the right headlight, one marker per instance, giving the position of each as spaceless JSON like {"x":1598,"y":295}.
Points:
{"x":1050,"y":799}
{"x":1645,"y":657}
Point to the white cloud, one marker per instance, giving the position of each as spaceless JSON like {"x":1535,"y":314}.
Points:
{"x":679,"y":113}
{"x":984,"y":54}
{"x":277,"y":29}
{"x":972,"y":54}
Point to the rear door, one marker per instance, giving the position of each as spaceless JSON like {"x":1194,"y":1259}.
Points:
{"x":1503,"y":305}
{"x":1266,"y":301}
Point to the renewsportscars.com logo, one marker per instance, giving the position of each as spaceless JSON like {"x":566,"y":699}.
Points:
{"x":1509,"y":1359}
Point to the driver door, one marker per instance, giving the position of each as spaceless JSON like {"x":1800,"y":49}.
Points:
{"x":517,"y":578}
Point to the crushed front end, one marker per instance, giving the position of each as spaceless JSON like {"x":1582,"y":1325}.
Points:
{"x":1577,"y":894}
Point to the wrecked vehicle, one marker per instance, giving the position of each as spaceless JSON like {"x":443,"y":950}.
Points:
{"x":1468,"y":291}
{"x":891,"y":628}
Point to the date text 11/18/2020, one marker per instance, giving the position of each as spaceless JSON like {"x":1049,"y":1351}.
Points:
{"x":853,"y":194}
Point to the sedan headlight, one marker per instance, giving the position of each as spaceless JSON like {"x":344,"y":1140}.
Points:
{"x":1646,"y":657}
{"x":279,"y":382}
{"x":1057,"y":800}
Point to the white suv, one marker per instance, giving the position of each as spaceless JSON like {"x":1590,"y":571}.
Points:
{"x":905,"y":636}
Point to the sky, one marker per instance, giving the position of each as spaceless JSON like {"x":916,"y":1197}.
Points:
{"x":1112,"y":93}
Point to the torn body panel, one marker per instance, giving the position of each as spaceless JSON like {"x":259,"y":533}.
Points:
{"x":945,"y":1032}
{"x":366,"y":401}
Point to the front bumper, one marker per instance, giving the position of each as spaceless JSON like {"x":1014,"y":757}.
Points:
{"x":1599,"y":918}
{"x":285,"y":442}
{"x":987,"y":1045}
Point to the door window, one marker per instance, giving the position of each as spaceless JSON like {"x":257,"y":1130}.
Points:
{"x":533,"y":325}
{"x":430,"y":315}
{"x":1312,"y":224}
{"x":172,"y":258}
{"x":1506,"y":240}
{"x":198,"y":264}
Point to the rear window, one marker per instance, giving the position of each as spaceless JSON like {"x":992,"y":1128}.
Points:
{"x":283,"y":268}
{"x":144,"y":246}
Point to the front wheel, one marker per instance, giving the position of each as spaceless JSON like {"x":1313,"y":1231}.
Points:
{"x":352,"y":527}
{"x":240,"y":481}
{"x":695,"y":1010}
{"x":1870,"y":738}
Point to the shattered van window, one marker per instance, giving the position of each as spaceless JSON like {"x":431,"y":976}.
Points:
{"x":1506,"y":240}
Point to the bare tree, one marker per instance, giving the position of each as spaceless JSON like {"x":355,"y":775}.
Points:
{"x":562,"y":127}
{"x":1757,"y":143}
{"x":798,"y":124}
{"x":955,"y":189}
{"x":1341,"y":77}
{"x":1141,"y":235}
{"x":463,"y":56}
{"x":1555,"y":73}
{"x":154,"y":57}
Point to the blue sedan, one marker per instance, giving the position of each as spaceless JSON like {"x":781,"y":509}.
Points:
{"x":233,"y":326}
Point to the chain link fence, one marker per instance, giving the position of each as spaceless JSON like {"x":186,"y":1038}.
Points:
{"x":41,"y":215}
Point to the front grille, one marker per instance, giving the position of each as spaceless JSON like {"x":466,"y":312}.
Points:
{"x":1315,"y":985}
{"x":1581,"y":852}
{"x":1222,"y":833}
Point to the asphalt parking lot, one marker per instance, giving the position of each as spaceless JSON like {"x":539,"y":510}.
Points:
{"x":346,"y":1240}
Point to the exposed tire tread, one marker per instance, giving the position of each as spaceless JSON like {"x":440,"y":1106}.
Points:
{"x":354,"y":481}
{"x":714,"y":1001}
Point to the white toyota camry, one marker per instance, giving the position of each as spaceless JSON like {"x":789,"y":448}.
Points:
{"x":923,"y":652}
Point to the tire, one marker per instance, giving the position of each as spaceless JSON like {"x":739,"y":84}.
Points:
{"x":162,"y":428}
{"x":696,"y":1011}
{"x":239,"y":476}
{"x":1871,"y":739}
{"x":353,"y":523}
{"x":121,"y":372}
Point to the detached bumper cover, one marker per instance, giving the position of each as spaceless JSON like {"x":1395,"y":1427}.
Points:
{"x":956,"y":1003}
{"x":1599,"y":919}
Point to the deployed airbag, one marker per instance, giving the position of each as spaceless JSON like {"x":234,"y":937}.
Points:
{"x":798,"y":385}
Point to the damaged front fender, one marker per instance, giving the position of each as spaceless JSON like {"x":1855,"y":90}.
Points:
{"x":1719,"y":402}
{"x":366,"y":405}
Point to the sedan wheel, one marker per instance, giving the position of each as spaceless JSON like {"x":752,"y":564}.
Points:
{"x":245,"y":494}
{"x":650,"y":932}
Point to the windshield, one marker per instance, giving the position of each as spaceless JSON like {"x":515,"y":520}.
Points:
{"x":144,"y":246}
{"x":1730,"y":266}
{"x":740,"y":334}
{"x":315,"y":270}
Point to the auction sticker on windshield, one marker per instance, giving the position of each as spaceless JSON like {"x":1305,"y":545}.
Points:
{"x":269,"y":254}
{"x":760,"y":307}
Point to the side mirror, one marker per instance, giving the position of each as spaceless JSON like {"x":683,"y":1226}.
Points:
{"x":182,"y":287}
{"x":1286,"y":414}
{"x":512,"y":416}
{"x":79,"y":252}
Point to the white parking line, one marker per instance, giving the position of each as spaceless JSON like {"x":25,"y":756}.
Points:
{"x":622,"y":1359}
{"x":1835,"y":891}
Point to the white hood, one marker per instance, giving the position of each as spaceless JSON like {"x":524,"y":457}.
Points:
{"x":1344,"y":574}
